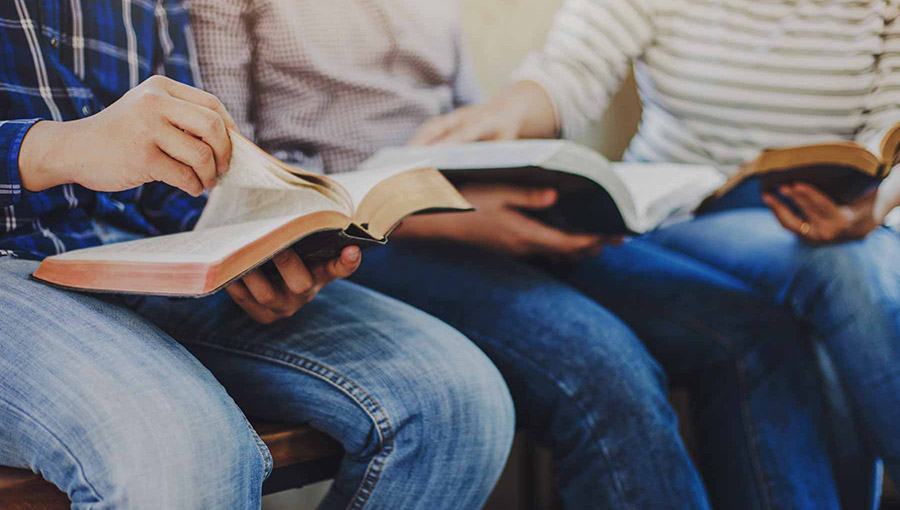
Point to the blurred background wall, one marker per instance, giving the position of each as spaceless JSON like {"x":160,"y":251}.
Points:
{"x":499,"y":33}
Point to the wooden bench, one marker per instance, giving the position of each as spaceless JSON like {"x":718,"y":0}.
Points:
{"x":302,"y":456}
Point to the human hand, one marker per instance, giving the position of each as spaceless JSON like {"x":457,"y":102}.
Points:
{"x":523,"y":110}
{"x":499,"y":225}
{"x":267,"y":300}
{"x":822,"y":220}
{"x":161,"y":130}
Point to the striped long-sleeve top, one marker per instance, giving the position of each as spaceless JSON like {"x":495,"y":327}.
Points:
{"x":720,"y":80}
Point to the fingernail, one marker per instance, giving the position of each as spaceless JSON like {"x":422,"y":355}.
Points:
{"x":352,"y":254}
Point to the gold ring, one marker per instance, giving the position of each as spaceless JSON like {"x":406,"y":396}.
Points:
{"x":804,"y":228}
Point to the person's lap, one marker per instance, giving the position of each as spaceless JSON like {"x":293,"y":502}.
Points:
{"x":374,"y":373}
{"x":405,"y":393}
{"x":580,"y":379}
{"x":849,"y":294}
{"x":758,"y":417}
{"x":111,"y":409}
{"x":544,"y":335}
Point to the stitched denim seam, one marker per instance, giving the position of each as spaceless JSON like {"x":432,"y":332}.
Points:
{"x":344,"y":384}
{"x":268,"y":462}
{"x":65,"y":448}
{"x":617,"y":482}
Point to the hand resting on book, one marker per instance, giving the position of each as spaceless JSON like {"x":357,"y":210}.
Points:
{"x":821,"y":219}
{"x":500,"y":225}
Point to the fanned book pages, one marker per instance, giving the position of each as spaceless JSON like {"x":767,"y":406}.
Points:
{"x":841,"y":170}
{"x":595,"y":196}
{"x":260,"y":207}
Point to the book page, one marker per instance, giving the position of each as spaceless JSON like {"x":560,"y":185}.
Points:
{"x":465,"y":156}
{"x":230,"y":205}
{"x":251,"y":167}
{"x":358,"y":184}
{"x":204,"y":246}
{"x":661,"y":190}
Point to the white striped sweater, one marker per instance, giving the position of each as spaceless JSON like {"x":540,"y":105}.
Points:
{"x":720,"y":80}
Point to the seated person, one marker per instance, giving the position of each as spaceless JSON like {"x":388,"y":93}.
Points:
{"x":719,"y":83}
{"x":139,"y":403}
{"x":325,"y":84}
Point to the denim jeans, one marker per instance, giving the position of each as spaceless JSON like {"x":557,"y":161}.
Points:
{"x":142,"y":405}
{"x":762,"y":425}
{"x":585,"y":384}
{"x":848,"y":294}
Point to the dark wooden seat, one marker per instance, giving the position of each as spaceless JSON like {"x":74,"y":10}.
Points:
{"x":302,"y":456}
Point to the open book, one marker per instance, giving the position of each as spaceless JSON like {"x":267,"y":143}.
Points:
{"x":260,"y":207}
{"x":595,"y":196}
{"x":841,"y":170}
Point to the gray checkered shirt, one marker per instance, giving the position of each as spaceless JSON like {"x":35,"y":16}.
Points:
{"x":325,"y":83}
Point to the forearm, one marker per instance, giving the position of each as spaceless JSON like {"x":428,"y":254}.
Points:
{"x":529,"y":102}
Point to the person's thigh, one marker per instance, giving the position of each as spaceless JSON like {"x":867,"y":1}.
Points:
{"x":761,"y":423}
{"x":579,"y":377}
{"x":114,"y":411}
{"x":748,"y":244}
{"x":848,"y":293}
{"x":425,"y":418}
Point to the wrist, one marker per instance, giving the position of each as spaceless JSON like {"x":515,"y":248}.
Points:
{"x":40,"y":165}
{"x":530,"y":105}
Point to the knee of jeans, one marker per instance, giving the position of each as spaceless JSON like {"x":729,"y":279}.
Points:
{"x":611,"y":386}
{"x":847,"y":274}
{"x":156,"y":453}
{"x":458,"y":409}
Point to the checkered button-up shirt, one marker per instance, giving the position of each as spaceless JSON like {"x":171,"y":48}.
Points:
{"x":323,"y":84}
{"x":66,"y":59}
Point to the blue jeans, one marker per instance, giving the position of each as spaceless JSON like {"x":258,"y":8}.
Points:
{"x":848,"y":294}
{"x":762,"y":424}
{"x":142,"y":405}
{"x":585,"y":384}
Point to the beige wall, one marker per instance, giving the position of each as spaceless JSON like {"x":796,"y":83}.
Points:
{"x":499,"y":33}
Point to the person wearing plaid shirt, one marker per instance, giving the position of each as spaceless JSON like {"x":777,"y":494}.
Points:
{"x":140,"y":402}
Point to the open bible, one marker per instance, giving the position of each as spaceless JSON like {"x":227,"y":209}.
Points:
{"x":260,"y":207}
{"x":841,"y":170}
{"x":595,"y":196}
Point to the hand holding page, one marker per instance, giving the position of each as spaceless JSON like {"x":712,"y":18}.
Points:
{"x":260,"y":207}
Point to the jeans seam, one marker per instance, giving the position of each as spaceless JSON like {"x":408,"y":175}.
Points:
{"x":344,"y":384}
{"x":268,"y":462}
{"x":66,"y":449}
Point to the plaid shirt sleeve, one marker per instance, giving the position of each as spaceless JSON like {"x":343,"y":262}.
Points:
{"x":12,"y":132}
{"x":169,"y":209}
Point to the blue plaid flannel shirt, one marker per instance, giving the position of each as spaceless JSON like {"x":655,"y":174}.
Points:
{"x":67,"y":59}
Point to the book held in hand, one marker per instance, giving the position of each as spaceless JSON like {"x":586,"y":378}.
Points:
{"x":841,"y":170}
{"x":595,"y":196}
{"x":260,"y":207}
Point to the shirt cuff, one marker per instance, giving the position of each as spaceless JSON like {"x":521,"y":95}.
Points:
{"x":12,"y":132}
